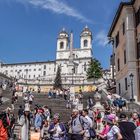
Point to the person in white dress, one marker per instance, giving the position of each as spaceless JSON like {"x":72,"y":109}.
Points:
{"x":24,"y":123}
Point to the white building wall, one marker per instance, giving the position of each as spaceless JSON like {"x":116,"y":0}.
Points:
{"x":62,"y":54}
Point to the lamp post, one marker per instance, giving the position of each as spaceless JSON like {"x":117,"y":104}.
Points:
{"x":131,"y":82}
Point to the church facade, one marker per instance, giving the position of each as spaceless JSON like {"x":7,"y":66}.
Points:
{"x":74,"y":63}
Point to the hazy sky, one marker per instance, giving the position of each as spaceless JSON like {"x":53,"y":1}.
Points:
{"x":29,"y":28}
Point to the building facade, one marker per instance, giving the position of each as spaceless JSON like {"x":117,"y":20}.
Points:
{"x":73,"y":61}
{"x":125,"y":34}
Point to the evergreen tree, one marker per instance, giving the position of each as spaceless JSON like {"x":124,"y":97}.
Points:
{"x":58,"y":81}
{"x":95,"y":70}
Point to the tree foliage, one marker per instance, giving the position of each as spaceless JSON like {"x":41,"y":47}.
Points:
{"x":95,"y":70}
{"x":58,"y":80}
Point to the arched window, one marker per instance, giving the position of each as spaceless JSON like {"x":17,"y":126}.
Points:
{"x":85,"y":43}
{"x":61,"y":45}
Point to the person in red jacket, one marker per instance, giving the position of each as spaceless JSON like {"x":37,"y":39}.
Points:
{"x":3,"y":131}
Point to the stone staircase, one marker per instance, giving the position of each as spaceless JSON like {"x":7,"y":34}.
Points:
{"x":56,"y":105}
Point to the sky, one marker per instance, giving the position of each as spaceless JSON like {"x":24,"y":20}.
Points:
{"x":29,"y":28}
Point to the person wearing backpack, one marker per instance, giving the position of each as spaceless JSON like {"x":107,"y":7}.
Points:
{"x":79,"y":125}
{"x":57,"y":130}
{"x":90,"y":132}
{"x":98,"y":118}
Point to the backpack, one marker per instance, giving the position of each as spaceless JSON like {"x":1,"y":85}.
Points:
{"x":92,"y":132}
{"x":99,"y":116}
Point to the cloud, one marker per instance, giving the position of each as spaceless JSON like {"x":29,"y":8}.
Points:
{"x":101,"y":38}
{"x":58,"y":7}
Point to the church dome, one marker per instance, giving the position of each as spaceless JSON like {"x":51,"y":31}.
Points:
{"x":86,"y":32}
{"x":63,"y":34}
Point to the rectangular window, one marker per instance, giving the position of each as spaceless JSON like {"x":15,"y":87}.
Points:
{"x":124,"y":56}
{"x":126,"y":87}
{"x":138,"y":17}
{"x":85,"y":68}
{"x":117,"y":39}
{"x":138,"y":50}
{"x":44,"y":73}
{"x":118,"y":64}
{"x":34,"y":69}
{"x":119,"y":89}
{"x":44,"y":66}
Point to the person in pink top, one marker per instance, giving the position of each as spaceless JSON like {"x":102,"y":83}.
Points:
{"x":103,"y":133}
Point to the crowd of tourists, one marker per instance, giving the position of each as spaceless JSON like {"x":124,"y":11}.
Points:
{"x":83,"y":125}
{"x":38,"y":122}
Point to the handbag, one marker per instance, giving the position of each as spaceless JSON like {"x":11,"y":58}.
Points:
{"x":92,"y":133}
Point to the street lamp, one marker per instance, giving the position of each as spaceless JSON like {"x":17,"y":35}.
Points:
{"x":131,"y":82}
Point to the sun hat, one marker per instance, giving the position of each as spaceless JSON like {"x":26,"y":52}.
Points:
{"x":56,"y":116}
{"x":111,"y":117}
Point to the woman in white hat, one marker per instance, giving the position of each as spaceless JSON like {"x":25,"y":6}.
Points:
{"x":24,"y":122}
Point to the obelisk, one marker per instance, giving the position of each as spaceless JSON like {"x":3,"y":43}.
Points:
{"x":71,"y":63}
